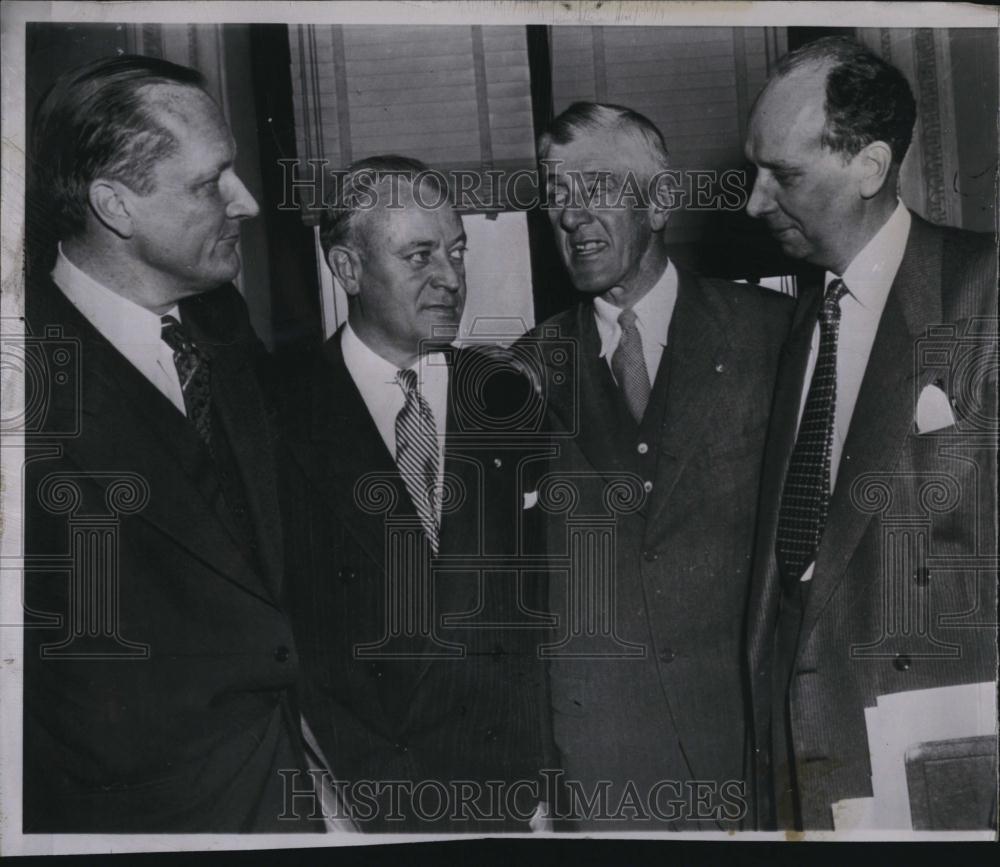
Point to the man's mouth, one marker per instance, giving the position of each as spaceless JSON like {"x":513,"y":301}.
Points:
{"x":583,"y":249}
{"x":778,"y":231}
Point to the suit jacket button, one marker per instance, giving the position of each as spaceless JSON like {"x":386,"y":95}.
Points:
{"x":400,"y":746}
{"x":642,"y":448}
{"x":647,"y":486}
{"x":902,"y":662}
{"x":649,"y":556}
{"x":667,"y":654}
{"x":281,"y":653}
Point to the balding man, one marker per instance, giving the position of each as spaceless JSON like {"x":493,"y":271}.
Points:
{"x":875,"y":575}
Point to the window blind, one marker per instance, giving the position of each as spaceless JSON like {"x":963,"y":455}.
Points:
{"x":455,"y":97}
{"x":695,"y":83}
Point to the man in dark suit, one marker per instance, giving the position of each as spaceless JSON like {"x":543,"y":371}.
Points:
{"x":651,"y":500}
{"x":402,"y":487}
{"x":158,"y":663}
{"x":872,"y":638}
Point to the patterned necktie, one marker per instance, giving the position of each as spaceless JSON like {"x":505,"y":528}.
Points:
{"x":806,"y":496}
{"x":417,"y":453}
{"x":629,"y":365}
{"x":192,"y":369}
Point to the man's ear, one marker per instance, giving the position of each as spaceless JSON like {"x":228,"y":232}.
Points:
{"x":875,"y":164}
{"x":110,"y":202}
{"x":346,"y":266}
{"x":662,"y":195}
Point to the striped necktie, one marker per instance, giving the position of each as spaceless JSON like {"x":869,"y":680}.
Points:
{"x":629,"y":365}
{"x":806,"y":495}
{"x":417,"y":453}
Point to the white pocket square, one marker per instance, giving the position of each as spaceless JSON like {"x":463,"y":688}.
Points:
{"x":530,"y":499}
{"x":933,"y":410}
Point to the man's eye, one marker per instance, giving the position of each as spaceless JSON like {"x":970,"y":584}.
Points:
{"x":458,"y":254}
{"x":560,"y":196}
{"x":421,"y":257}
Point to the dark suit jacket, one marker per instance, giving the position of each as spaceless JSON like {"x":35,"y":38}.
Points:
{"x":907,"y":509}
{"x":393,"y":712}
{"x":158,"y":661}
{"x":671,"y":506}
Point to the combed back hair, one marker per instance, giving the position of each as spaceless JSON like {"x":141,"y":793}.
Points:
{"x":867,"y":99}
{"x":589,"y":117}
{"x":97,"y":121}
{"x":364,"y":187}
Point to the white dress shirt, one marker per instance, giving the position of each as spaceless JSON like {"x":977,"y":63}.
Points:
{"x":131,"y":329}
{"x":383,"y":395}
{"x":868,"y":280}
{"x":653,"y":313}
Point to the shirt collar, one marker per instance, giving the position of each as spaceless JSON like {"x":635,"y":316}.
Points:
{"x":369,"y":367}
{"x":869,"y":276}
{"x":652,"y":311}
{"x":125,"y":324}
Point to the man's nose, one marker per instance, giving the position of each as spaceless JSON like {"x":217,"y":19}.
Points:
{"x":761,"y":199}
{"x":449,"y":274}
{"x":572,"y":217}
{"x":241,"y":204}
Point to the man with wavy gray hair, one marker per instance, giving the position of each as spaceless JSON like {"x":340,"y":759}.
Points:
{"x":872,"y":638}
{"x":668,"y":401}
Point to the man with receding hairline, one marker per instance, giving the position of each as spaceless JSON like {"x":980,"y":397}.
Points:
{"x":413,"y":680}
{"x":159,"y":666}
{"x":886,"y":399}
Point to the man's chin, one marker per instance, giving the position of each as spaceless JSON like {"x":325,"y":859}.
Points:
{"x":589,"y":284}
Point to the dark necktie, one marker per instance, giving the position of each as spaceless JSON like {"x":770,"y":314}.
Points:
{"x":193,"y":372}
{"x":806,"y":495}
{"x":417,"y":453}
{"x":629,"y":365}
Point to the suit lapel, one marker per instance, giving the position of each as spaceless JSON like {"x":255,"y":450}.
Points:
{"x":155,"y":440}
{"x":696,"y":344}
{"x":883,"y":415}
{"x":590,"y":403}
{"x":781,"y":434}
{"x":241,"y":408}
{"x":345,"y":446}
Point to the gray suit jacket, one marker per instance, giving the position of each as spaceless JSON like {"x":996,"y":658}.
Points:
{"x":903,"y":594}
{"x":649,"y":531}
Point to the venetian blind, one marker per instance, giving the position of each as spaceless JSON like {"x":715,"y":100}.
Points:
{"x":695,"y":83}
{"x":454,"y":97}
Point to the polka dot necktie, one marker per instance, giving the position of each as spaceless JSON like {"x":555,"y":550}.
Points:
{"x":629,"y":365}
{"x":193,"y":372}
{"x":806,"y":495}
{"x":417,"y":453}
